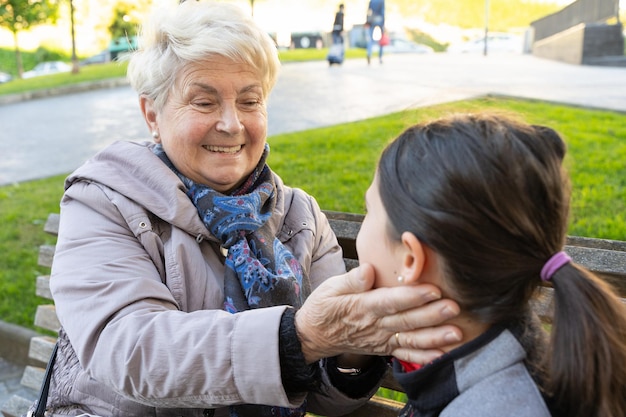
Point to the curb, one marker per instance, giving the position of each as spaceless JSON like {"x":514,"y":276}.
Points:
{"x":68,"y":89}
{"x":555,"y":102}
{"x":16,"y":343}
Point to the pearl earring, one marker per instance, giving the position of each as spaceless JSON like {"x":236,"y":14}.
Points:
{"x":155,"y":134}
{"x":400,"y":279}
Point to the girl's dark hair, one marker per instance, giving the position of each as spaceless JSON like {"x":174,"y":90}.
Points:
{"x":488,"y":193}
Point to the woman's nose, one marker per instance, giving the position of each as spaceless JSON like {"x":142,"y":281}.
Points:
{"x":229,"y":121}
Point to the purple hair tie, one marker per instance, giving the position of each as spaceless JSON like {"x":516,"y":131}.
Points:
{"x":556,"y":262}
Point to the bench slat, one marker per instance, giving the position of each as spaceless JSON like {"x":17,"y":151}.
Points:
{"x":46,"y":317}
{"x":33,"y":377}
{"x":609,"y":264}
{"x":346,"y":234}
{"x":42,"y":287}
{"x":589,"y":242}
{"x":16,"y":406}
{"x":41,"y":347}
{"x":46,"y":253}
{"x":52,"y":224}
{"x":599,"y":260}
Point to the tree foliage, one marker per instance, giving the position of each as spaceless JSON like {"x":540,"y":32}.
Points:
{"x":19,"y":15}
{"x":124,"y":23}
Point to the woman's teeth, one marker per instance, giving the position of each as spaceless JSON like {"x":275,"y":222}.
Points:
{"x":223,"y":149}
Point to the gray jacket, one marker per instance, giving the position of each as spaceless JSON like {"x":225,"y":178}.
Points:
{"x":137,"y":281}
{"x":493,"y":375}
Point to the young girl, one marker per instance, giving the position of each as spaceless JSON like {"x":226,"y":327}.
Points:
{"x":478,"y":205}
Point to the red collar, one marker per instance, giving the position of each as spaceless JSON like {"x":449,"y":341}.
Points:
{"x":409,"y":367}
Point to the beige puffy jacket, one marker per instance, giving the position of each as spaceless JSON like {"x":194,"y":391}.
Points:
{"x":138,"y":284}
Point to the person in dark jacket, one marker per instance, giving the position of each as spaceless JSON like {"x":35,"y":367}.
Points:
{"x":337,"y":32}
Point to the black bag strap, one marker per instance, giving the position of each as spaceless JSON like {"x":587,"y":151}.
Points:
{"x":43,"y":392}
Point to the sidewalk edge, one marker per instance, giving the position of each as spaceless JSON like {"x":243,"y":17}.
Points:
{"x":67,"y":89}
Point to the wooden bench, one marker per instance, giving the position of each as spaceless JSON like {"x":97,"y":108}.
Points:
{"x":607,"y":258}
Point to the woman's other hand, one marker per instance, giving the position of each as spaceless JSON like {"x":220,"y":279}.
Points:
{"x":345,"y":315}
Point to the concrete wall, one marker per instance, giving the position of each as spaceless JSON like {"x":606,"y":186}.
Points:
{"x":581,"y":44}
{"x":580,"y":11}
{"x":15,"y":342}
{"x":602,"y":41}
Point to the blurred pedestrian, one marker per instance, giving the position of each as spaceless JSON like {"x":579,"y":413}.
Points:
{"x":338,"y":26}
{"x":375,"y":25}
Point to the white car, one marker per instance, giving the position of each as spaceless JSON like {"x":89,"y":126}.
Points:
{"x":5,"y":77}
{"x":49,"y":67}
{"x":496,"y":43}
{"x":398,"y":45}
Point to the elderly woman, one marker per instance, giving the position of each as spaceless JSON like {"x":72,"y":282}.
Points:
{"x":181,"y":263}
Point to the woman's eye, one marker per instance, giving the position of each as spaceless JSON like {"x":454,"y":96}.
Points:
{"x":202,"y":100}
{"x":251,"y":103}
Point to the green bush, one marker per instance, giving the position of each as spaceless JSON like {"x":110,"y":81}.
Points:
{"x":43,"y":54}
{"x":8,"y":60}
{"x":424,"y":38}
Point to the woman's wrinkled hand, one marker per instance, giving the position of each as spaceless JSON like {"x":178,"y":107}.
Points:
{"x":345,"y":315}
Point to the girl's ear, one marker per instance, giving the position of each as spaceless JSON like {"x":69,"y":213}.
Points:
{"x":414,"y":258}
{"x":149,"y":114}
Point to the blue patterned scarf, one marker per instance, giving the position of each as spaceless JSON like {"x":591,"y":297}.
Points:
{"x":260,"y":270}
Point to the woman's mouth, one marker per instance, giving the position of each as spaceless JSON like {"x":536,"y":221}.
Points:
{"x":223,"y":149}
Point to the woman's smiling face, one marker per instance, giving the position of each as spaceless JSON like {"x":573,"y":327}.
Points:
{"x":213,"y":125}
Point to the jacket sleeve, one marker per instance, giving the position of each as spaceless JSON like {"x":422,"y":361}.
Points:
{"x":129,"y":332}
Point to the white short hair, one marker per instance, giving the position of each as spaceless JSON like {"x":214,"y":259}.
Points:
{"x":179,"y":34}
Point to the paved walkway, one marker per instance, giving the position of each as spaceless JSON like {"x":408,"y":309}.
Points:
{"x":10,"y":377}
{"x":54,"y":135}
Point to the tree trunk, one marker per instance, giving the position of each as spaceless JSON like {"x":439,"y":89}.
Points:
{"x":18,"y":56}
{"x":75,"y":68}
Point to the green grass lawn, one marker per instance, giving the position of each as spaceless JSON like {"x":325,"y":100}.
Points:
{"x":339,"y":180}
{"x":23,"y":211}
{"x":595,"y":160}
{"x":85,"y":74}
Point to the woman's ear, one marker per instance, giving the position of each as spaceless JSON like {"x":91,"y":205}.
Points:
{"x":150,"y":115}
{"x":414,"y":258}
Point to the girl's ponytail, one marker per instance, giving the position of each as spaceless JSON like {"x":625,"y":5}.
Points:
{"x":587,"y":361}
